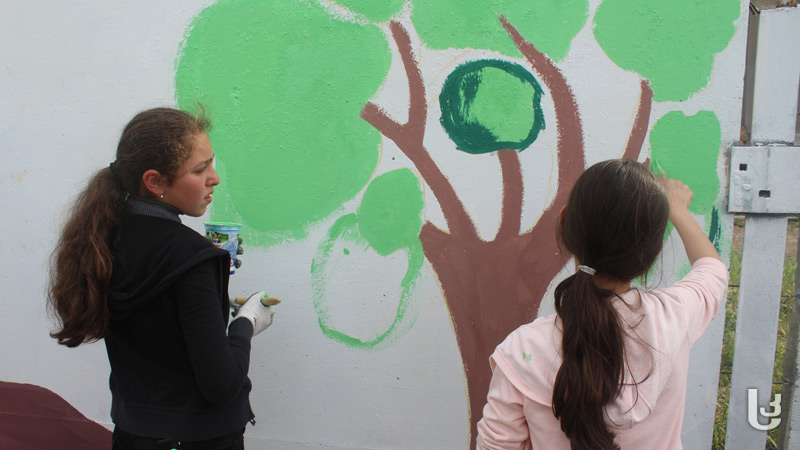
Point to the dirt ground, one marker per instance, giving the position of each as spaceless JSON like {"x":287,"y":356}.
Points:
{"x":791,"y":235}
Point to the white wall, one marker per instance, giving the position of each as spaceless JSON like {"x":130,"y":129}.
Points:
{"x":73,"y":73}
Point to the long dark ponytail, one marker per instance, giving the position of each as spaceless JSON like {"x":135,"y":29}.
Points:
{"x":80,"y":274}
{"x":82,"y":261}
{"x":614,"y":222}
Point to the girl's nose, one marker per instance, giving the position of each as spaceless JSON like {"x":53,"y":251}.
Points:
{"x":214,"y":179}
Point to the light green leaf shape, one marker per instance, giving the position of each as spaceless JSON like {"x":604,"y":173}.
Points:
{"x":687,"y":148}
{"x":549,"y":24}
{"x":390,"y":215}
{"x":671,"y":43}
{"x":345,"y":231}
{"x":284,"y":84}
{"x":375,"y":10}
{"x":489,"y":105}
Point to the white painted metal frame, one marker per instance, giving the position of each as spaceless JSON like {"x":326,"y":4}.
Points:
{"x":775,"y":93}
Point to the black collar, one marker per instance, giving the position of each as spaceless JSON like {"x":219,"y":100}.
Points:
{"x":144,"y":207}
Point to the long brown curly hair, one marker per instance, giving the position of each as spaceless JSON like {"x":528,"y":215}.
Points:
{"x":81,"y":264}
{"x":614,"y":222}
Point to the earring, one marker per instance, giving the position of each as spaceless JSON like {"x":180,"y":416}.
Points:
{"x":161,"y":196}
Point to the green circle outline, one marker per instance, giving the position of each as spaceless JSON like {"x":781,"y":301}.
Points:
{"x":451,"y":96}
{"x":347,"y":226}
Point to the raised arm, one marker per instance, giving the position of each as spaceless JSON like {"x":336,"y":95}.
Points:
{"x":694,"y":238}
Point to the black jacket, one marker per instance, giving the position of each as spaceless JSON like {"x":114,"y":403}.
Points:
{"x":175,"y":372}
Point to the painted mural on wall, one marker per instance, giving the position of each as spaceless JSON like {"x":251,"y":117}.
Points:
{"x":292,"y":85}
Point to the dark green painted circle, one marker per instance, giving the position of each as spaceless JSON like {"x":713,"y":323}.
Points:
{"x":457,"y":101}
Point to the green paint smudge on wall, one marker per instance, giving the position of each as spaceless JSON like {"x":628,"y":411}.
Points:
{"x":715,"y":229}
{"x":390,"y":215}
{"x":490,"y":105}
{"x":345,"y":231}
{"x":671,"y":43}
{"x":284,"y":84}
{"x":374,"y":10}
{"x":549,"y":24}
{"x":687,"y":148}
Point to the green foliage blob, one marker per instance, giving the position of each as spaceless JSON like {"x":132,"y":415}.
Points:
{"x":284,"y":84}
{"x":374,"y":10}
{"x":390,"y":215}
{"x":687,"y":148}
{"x":671,"y":43}
{"x":549,"y":24}
{"x":345,"y":232}
{"x":490,"y":105}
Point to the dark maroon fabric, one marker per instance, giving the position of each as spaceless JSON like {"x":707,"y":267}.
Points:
{"x":34,"y":418}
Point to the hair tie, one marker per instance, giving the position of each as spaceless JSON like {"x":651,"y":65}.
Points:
{"x":587,"y":269}
{"x":115,"y":173}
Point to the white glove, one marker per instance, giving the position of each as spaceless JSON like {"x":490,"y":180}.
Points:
{"x":254,"y":311}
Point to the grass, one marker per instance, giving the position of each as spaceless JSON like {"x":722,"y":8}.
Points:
{"x":787,"y":299}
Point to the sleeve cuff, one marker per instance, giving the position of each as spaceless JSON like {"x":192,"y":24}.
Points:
{"x":241,"y":328}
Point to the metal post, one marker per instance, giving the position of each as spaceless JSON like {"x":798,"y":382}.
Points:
{"x":764,"y":190}
{"x":756,"y":328}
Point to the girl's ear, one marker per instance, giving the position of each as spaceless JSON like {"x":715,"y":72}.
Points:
{"x":153,"y":183}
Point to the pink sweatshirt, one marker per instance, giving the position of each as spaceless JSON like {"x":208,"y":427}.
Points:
{"x":665,"y":324}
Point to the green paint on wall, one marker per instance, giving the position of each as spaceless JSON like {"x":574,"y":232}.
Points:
{"x":687,"y":148}
{"x":490,"y":105}
{"x":715,"y":229}
{"x":508,"y":104}
{"x":549,"y":24}
{"x":671,"y":43}
{"x":390,"y":215}
{"x":284,"y":84}
{"x":345,"y":231}
{"x":374,"y":10}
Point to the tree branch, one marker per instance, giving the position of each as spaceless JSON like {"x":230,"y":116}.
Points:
{"x":375,"y":116}
{"x":417,"y":109}
{"x":409,"y":137}
{"x":512,"y":194}
{"x":640,"y":123}
{"x":571,"y":160}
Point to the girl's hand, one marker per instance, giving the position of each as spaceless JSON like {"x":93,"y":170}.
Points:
{"x":678,"y":194}
{"x":695,"y":241}
{"x":257,"y":312}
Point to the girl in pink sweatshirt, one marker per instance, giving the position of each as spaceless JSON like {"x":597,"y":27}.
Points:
{"x":609,"y":369}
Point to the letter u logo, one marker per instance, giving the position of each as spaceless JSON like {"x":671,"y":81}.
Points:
{"x":753,"y":411}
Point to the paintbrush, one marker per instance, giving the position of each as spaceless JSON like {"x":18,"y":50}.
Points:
{"x":266,"y":300}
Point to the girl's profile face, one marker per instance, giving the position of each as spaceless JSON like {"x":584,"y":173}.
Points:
{"x":191,"y":190}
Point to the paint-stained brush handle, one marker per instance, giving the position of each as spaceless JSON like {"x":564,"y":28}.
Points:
{"x":265,"y":300}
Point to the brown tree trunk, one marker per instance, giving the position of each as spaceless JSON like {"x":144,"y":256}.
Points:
{"x":491,"y":288}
